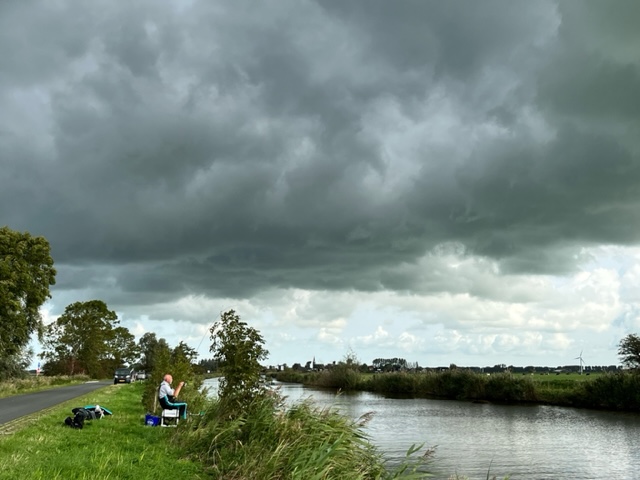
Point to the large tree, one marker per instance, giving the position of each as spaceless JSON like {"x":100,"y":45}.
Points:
{"x":26,"y":272}
{"x":86,"y":339}
{"x":122,"y":347}
{"x":149,"y":347}
{"x":629,"y":350}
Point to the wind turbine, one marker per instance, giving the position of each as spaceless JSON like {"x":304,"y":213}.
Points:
{"x":581,"y":361}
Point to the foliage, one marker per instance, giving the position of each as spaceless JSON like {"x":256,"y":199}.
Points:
{"x":401,"y":382}
{"x":505,"y":387}
{"x":629,"y":350}
{"x":86,"y":339}
{"x":345,"y":375}
{"x":122,"y":347}
{"x":208,"y":365}
{"x":26,"y":272}
{"x":389,"y":364}
{"x":239,"y":349}
{"x":15,"y":366}
{"x":148,"y":347}
{"x":615,"y":391}
{"x":160,"y":352}
{"x":179,"y":363}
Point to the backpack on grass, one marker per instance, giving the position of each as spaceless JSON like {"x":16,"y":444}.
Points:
{"x":79,"y":417}
{"x":88,"y":412}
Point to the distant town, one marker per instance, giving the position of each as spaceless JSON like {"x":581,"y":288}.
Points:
{"x":381,"y":365}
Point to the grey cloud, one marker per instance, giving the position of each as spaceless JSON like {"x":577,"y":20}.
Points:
{"x":231,"y":148}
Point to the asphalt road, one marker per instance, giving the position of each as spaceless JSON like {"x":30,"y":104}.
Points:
{"x":20,"y":405}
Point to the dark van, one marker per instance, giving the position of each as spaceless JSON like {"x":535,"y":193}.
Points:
{"x":124,"y":375}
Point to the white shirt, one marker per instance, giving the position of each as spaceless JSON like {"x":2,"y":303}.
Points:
{"x":165,"y":389}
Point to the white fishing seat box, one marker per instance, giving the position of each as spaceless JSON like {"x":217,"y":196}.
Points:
{"x":170,"y":418}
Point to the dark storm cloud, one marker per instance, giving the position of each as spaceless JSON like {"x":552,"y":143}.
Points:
{"x":229,"y":148}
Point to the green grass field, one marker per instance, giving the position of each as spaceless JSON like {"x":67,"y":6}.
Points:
{"x":116,"y":447}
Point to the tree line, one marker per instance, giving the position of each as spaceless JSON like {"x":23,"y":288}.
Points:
{"x":86,"y":339}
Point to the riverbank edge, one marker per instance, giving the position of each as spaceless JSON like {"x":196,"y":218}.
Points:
{"x":607,"y":392}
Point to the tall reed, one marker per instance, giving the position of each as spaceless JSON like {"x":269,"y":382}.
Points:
{"x":616,"y":391}
{"x":270,"y":441}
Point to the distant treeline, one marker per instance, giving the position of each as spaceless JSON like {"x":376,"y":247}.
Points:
{"x":400,"y":364}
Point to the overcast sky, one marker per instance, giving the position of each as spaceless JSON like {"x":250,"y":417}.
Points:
{"x":447,"y":182}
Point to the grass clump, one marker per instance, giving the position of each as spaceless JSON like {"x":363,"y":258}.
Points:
{"x":117,"y":447}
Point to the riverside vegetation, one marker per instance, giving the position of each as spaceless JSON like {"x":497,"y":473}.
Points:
{"x":249,"y":433}
{"x":615,"y":391}
{"x":265,"y":442}
{"x":246,"y":433}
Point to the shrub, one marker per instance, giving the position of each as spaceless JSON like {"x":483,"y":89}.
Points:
{"x":238,"y":349}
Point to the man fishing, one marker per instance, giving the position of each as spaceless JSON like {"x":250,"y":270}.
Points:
{"x":167,"y":396}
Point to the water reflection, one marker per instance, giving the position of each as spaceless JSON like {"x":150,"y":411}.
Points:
{"x":525,"y":442}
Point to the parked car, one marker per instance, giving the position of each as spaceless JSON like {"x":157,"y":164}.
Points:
{"x":141,"y":375}
{"x":124,"y":375}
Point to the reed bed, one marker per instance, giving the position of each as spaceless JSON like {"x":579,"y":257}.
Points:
{"x":271,"y":441}
{"x":611,"y":391}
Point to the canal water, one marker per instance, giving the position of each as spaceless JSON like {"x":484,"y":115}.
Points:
{"x":525,"y":442}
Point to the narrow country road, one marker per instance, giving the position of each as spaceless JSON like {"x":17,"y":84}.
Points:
{"x":20,"y":405}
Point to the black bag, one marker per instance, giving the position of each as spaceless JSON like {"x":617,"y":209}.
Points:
{"x":87,"y":414}
{"x":80,"y":415}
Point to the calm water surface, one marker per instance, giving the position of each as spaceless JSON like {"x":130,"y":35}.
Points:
{"x":525,"y":442}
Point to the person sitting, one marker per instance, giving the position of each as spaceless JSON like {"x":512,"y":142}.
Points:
{"x":167,"y":396}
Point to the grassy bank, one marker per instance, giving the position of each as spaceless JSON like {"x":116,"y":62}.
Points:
{"x":36,"y":384}
{"x":264,"y":442}
{"x":116,"y":447}
{"x":615,"y":391}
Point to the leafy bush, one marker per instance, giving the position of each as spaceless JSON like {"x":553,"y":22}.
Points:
{"x":238,"y":348}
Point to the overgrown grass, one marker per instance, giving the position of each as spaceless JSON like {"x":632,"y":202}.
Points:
{"x":117,"y":447}
{"x":37,"y":383}
{"x":269,"y":442}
